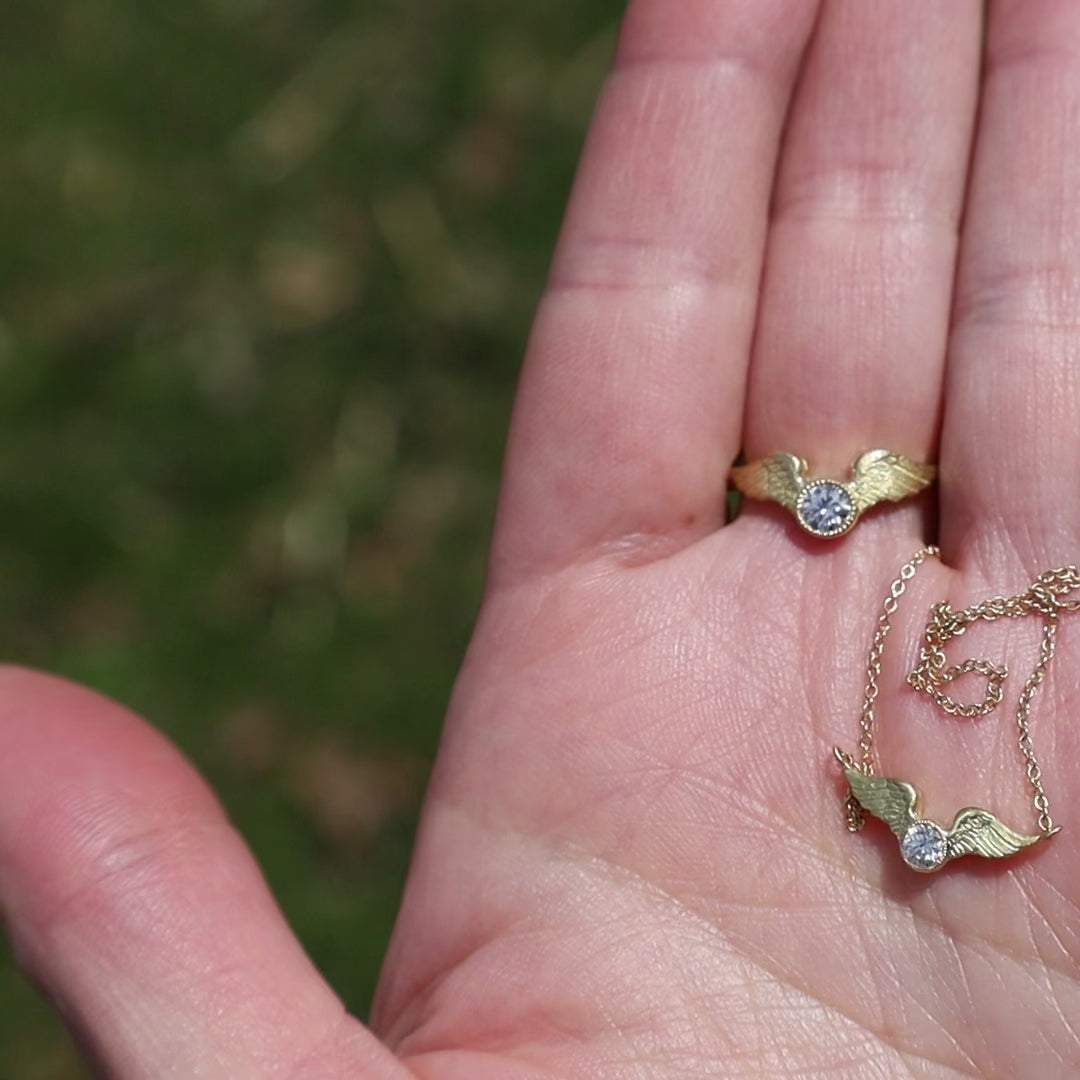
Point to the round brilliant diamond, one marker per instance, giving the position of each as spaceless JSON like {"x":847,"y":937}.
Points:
{"x":825,"y":508}
{"x":924,"y":846}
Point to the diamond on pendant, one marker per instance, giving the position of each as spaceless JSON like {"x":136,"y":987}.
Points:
{"x":924,"y":846}
{"x":825,"y":508}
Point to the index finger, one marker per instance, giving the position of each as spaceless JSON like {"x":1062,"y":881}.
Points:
{"x":631,"y":401}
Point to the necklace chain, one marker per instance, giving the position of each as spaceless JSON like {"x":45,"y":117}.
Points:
{"x":1052,"y":594}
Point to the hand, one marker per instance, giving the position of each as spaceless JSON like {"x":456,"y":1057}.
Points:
{"x":633,"y":861}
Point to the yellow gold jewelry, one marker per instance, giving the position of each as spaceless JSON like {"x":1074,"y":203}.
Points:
{"x":925,"y":845}
{"x":828,"y":508}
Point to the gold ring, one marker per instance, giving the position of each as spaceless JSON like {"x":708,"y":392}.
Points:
{"x":829,"y":508}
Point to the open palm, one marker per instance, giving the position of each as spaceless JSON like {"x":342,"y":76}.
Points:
{"x":803,"y":227}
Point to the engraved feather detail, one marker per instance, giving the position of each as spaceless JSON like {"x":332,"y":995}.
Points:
{"x":779,"y":477}
{"x":881,"y":475}
{"x":829,"y":508}
{"x":925,"y":845}
{"x":893,"y":801}
{"x":978,"y":832}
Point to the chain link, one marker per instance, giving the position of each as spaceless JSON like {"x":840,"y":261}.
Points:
{"x":1053,"y":593}
{"x":854,"y":812}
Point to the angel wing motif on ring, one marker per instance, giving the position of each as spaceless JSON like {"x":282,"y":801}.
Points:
{"x":828,"y":508}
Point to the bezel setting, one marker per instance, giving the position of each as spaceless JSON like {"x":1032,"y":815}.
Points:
{"x":826,"y":509}
{"x":925,"y":846}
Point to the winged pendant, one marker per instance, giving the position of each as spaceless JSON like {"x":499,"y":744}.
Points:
{"x":924,"y":845}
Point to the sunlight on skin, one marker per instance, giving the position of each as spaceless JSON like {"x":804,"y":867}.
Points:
{"x":632,"y":863}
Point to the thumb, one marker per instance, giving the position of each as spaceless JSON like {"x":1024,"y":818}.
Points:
{"x":135,"y":905}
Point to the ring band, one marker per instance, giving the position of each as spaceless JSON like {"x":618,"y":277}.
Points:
{"x":828,"y":508}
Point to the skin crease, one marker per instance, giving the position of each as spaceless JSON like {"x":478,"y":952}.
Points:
{"x":800,"y":226}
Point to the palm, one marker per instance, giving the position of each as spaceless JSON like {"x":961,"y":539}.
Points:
{"x":666,"y":877}
{"x":633,"y":861}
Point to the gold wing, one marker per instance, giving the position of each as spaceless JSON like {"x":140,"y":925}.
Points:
{"x":779,"y":477}
{"x":978,"y":832}
{"x":893,"y":801}
{"x":880,"y":474}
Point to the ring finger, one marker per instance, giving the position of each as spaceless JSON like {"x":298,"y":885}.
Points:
{"x":1010,"y":443}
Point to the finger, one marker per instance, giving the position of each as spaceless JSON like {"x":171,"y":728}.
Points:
{"x":631,"y":398}
{"x":855,"y":303}
{"x":133,"y":903}
{"x":1011,"y":442}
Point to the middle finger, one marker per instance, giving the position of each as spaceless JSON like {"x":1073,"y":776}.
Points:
{"x":854,"y":311}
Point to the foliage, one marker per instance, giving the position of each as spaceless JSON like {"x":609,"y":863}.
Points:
{"x":267,"y":271}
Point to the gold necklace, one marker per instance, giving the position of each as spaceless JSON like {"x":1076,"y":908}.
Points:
{"x":925,"y":845}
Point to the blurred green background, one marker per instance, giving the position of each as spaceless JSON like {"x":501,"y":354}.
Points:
{"x":267,"y":271}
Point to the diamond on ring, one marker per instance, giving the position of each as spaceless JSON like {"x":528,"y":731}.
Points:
{"x":825,"y":509}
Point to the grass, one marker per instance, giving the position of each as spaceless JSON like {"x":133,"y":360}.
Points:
{"x":267,"y":272}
